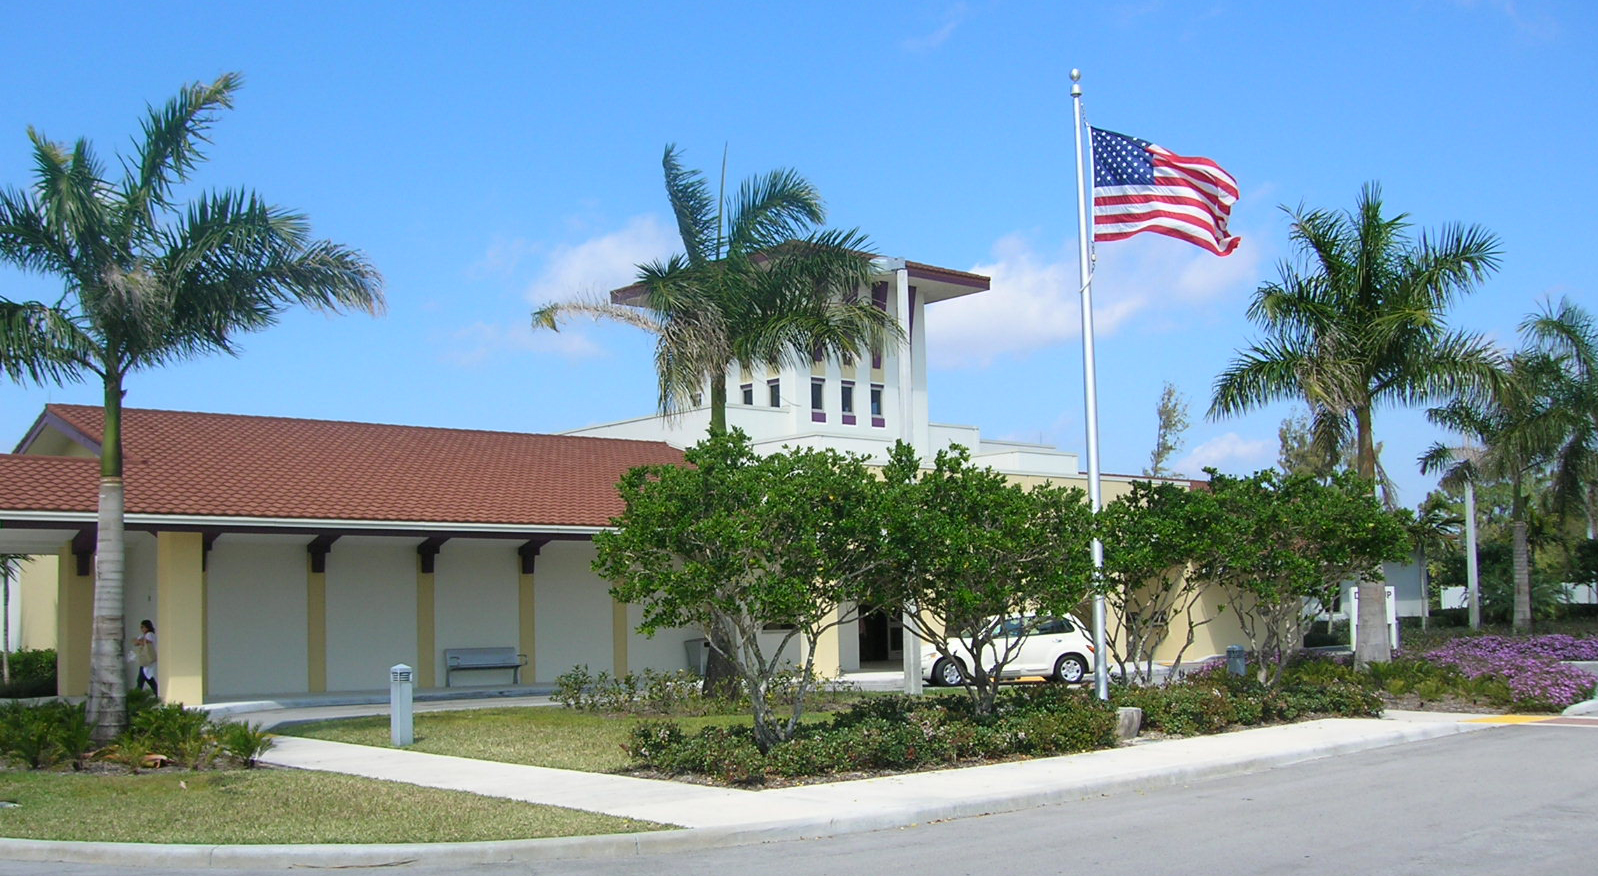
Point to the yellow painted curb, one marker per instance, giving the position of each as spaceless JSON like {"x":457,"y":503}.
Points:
{"x":1510,"y":719}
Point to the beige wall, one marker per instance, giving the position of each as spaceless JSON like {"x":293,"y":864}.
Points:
{"x":256,"y":613}
{"x":475,"y":603}
{"x":663,"y":652}
{"x":371,"y":610}
{"x":574,"y":612}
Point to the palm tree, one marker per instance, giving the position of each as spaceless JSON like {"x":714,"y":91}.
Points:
{"x":10,"y":566}
{"x":1512,"y":422}
{"x":147,"y":282}
{"x":1567,"y":335}
{"x":1360,"y":323}
{"x":756,"y":285}
{"x":1434,"y":527}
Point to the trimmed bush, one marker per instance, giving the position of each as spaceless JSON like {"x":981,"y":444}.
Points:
{"x":32,"y":675}
{"x":886,"y":733}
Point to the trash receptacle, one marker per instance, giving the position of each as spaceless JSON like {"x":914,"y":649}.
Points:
{"x":1236,"y":659}
{"x":698,"y":653}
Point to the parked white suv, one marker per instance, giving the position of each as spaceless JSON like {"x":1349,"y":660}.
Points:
{"x":1056,"y":647}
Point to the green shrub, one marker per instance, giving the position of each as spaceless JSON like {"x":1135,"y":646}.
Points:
{"x":652,"y":692}
{"x":1064,"y":732}
{"x":242,"y":741}
{"x":32,"y":675}
{"x":1183,"y":709}
{"x":43,"y":735}
{"x":1343,"y":700}
{"x":886,"y":733}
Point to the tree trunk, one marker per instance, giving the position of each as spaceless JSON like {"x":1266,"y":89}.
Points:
{"x":108,"y":686}
{"x":1522,"y":579}
{"x":1372,"y":645}
{"x":5,"y":618}
{"x":721,"y":674}
{"x":721,"y":677}
{"x":718,"y":404}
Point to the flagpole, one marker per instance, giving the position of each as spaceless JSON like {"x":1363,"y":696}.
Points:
{"x":1101,"y":665}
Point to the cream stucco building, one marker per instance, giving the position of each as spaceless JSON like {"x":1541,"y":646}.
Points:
{"x":281,"y":556}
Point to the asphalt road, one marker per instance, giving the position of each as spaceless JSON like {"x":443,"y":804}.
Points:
{"x":1512,"y":800}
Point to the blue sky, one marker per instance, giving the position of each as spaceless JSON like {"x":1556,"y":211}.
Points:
{"x":491,"y":156}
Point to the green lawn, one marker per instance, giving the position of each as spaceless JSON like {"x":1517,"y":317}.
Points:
{"x":272,"y":806}
{"x":541,"y":736}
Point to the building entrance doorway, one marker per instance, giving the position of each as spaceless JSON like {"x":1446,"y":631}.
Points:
{"x":881,"y":637}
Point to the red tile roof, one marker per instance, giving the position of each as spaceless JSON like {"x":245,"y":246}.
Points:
{"x":225,"y":465}
{"x":48,"y":483}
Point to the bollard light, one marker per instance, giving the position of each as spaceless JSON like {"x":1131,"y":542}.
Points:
{"x":1236,"y":659}
{"x":401,"y":730}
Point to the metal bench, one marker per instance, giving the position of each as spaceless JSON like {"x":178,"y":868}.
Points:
{"x":483,"y":658}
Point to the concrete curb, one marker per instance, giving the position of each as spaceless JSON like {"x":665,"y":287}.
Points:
{"x":854,"y":820}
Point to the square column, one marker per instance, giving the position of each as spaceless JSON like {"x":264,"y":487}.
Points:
{"x":180,"y":616}
{"x":619,"y":631}
{"x":74,"y":623}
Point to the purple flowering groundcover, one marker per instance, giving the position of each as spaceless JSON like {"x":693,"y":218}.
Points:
{"x":1530,"y":666}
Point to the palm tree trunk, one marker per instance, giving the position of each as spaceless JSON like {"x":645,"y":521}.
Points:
{"x":5,"y":617}
{"x":1372,"y":645}
{"x":718,"y":403}
{"x":108,"y":687}
{"x":1522,"y":562}
{"x":721,"y":677}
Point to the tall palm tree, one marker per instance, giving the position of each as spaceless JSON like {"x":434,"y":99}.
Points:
{"x":757,"y":284}
{"x":1512,"y":421}
{"x":147,"y":282}
{"x":1359,"y":323}
{"x":1568,"y":335}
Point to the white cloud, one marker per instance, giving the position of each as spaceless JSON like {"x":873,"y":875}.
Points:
{"x":926,"y":43}
{"x":602,"y":263}
{"x":1230,"y":452}
{"x":588,"y":269}
{"x":1536,"y":25}
{"x":1034,"y":303}
{"x":503,"y":256}
{"x":479,"y":342}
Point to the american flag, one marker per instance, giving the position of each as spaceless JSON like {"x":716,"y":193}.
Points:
{"x":1138,"y":186}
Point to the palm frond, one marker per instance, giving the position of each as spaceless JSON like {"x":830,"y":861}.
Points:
{"x":231,"y":265}
{"x":28,"y":241}
{"x":169,"y":149}
{"x":691,"y":203}
{"x":1268,"y":371}
{"x":551,"y":315}
{"x":770,"y":210}
{"x":69,"y":192}
{"x":41,"y":344}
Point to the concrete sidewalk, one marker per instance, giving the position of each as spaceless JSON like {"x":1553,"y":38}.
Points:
{"x":724,"y":816}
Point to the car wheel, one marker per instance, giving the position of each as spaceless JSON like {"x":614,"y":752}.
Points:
{"x":948,"y":673}
{"x":1070,"y":668}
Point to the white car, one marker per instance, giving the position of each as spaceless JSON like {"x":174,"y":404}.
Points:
{"x":1056,"y":647}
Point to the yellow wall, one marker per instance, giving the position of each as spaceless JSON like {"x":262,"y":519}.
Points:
{"x":618,"y":637}
{"x":829,"y":659}
{"x":180,"y":616}
{"x":37,"y":588}
{"x":527,"y":615}
{"x":425,"y":675}
{"x":74,"y":625}
{"x":315,"y":629}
